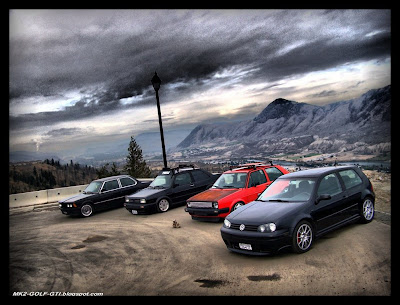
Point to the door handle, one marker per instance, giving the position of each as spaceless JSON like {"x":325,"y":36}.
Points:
{"x":191,"y":184}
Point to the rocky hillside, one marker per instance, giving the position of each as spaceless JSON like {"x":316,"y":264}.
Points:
{"x":361,"y":125}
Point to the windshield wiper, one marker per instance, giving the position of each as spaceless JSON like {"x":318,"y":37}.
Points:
{"x":278,"y":200}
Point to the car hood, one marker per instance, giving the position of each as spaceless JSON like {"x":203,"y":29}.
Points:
{"x":76,"y":198}
{"x":259,"y":212}
{"x":147,"y":193}
{"x":212,"y":194}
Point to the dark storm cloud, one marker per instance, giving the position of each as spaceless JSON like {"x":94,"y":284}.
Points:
{"x":117,"y":52}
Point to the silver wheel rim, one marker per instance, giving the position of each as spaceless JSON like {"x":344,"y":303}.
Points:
{"x":368,"y":209}
{"x":86,"y":210}
{"x":304,"y":236}
{"x":237,"y":205}
{"x":163,"y":205}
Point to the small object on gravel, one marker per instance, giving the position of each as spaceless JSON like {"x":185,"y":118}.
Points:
{"x":175,"y":224}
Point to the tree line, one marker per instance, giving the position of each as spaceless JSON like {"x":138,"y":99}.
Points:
{"x":48,"y":174}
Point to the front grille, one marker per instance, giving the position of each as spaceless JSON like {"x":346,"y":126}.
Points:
{"x":236,"y":226}
{"x":201,"y":204}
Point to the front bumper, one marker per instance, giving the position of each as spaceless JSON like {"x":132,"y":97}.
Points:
{"x":261,"y":243}
{"x":70,"y":211}
{"x":206,"y":212}
{"x":141,"y":208}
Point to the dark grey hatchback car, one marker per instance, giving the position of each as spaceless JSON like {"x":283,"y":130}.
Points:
{"x":299,"y":207}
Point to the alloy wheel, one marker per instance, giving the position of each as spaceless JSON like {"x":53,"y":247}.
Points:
{"x":304,"y":236}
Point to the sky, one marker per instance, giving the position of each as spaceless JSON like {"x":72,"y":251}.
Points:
{"x":81,"y":77}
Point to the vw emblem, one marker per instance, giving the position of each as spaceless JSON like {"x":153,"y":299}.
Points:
{"x":242,"y":226}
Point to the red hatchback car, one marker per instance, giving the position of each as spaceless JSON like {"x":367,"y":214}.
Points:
{"x":233,"y":189}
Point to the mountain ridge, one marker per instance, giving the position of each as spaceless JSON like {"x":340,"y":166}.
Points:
{"x":340,"y":124}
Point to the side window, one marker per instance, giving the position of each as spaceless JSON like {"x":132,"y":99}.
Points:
{"x":329,"y":185}
{"x":273,"y":173}
{"x":350,"y":178}
{"x":183,"y":179}
{"x":127,"y":181}
{"x":110,"y":185}
{"x":257,"y":178}
{"x":198,"y":175}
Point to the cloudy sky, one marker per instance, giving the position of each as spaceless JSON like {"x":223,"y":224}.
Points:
{"x":77,"y":77}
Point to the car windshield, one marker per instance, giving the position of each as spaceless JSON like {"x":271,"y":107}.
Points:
{"x":287,"y":190}
{"x":231,"y":180}
{"x":161,"y":181}
{"x":93,"y":187}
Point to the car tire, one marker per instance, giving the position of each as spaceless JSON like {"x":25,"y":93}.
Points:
{"x":367,"y":210}
{"x":86,"y":210}
{"x":237,"y":205}
{"x":163,"y":205}
{"x":303,"y":236}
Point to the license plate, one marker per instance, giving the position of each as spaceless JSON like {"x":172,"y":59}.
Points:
{"x":134,"y":212}
{"x":245,"y":246}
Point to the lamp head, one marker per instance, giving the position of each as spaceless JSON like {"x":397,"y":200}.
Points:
{"x":156,"y":81}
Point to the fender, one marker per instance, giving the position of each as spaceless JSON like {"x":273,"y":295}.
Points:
{"x":165,"y":197}
{"x":234,"y":202}
{"x":298,"y":218}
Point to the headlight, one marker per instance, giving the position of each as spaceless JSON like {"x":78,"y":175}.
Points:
{"x":215,"y":205}
{"x":142,"y":200}
{"x":268,"y":227}
{"x":189,"y":204}
{"x":126,"y":199}
{"x":227,"y":223}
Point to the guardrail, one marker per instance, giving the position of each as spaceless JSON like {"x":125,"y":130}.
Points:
{"x":47,"y":196}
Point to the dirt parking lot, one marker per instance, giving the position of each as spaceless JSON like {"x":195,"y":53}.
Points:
{"x":116,"y":253}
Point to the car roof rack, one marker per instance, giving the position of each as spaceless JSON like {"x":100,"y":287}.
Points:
{"x":250,"y":165}
{"x":180,"y":167}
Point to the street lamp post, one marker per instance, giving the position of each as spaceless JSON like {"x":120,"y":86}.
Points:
{"x":156,"y":81}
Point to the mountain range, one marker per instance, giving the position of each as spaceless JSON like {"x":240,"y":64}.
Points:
{"x":360,"y":125}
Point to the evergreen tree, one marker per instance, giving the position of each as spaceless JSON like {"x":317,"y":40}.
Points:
{"x":114,"y":171}
{"x":135,"y":164}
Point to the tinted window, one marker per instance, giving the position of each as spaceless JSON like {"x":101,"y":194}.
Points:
{"x":110,"y":185}
{"x":350,"y":178}
{"x":257,"y":178}
{"x":183,"y":179}
{"x":127,"y":181}
{"x":273,"y":173}
{"x":199,"y":175}
{"x":329,"y":185}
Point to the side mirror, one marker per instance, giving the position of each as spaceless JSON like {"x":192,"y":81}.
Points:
{"x":322,"y":197}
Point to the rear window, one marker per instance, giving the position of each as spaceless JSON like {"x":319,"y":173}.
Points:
{"x":350,"y":178}
{"x":127,"y":181}
{"x":198,"y":175}
{"x":273,"y":173}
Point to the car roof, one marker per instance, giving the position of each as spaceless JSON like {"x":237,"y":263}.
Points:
{"x":113,"y":177}
{"x":249,"y":167}
{"x":316,"y":172}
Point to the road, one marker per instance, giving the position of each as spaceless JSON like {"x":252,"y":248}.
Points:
{"x":116,"y":253}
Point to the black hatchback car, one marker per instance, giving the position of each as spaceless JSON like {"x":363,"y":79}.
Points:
{"x":299,"y":207}
{"x":101,"y":194}
{"x":170,"y":188}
